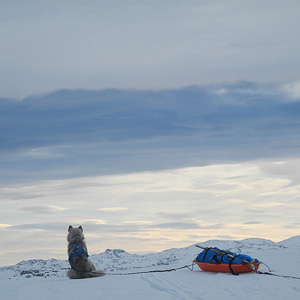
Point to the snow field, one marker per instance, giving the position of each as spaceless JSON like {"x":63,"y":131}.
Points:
{"x":283,"y":258}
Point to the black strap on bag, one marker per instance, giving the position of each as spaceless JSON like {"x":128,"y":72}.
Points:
{"x":230,"y":266}
{"x":215,"y":258}
{"x":206,"y":250}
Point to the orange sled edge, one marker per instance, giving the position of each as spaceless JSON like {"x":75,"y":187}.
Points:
{"x":224,"y":268}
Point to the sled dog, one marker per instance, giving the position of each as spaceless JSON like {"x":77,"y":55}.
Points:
{"x":81,"y":266}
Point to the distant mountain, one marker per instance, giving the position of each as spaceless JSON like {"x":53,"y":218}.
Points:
{"x":293,"y":241}
{"x":119,"y":261}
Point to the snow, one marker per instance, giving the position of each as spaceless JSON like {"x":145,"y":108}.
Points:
{"x":293,"y":241}
{"x":46,"y":279}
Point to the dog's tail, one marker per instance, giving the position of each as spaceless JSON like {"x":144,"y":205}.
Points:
{"x":96,"y":273}
{"x":73,"y":274}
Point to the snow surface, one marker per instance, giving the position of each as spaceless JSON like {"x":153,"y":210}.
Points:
{"x":46,"y":279}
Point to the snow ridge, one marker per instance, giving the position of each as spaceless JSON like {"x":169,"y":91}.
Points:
{"x":119,"y":261}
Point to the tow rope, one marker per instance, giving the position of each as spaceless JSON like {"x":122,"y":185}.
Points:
{"x":277,"y":275}
{"x":190,"y":267}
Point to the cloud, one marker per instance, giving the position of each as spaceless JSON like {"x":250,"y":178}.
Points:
{"x":8,"y":194}
{"x":167,"y":208}
{"x":221,"y":91}
{"x":113,"y":209}
{"x":92,"y":221}
{"x":4,"y":226}
{"x":177,"y":225}
{"x":42,"y":153}
{"x":160,"y":44}
{"x":50,"y":209}
{"x":89,"y":133}
{"x":138,"y":222}
{"x":283,"y":168}
{"x":252,"y":223}
{"x":270,"y":204}
{"x":48,"y":226}
{"x":175,"y":216}
{"x":292,"y":90}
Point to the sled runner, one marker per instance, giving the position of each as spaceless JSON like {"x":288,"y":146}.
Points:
{"x":216,"y":260}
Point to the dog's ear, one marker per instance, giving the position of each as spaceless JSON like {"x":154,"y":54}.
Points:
{"x":80,"y":227}
{"x":70,"y":228}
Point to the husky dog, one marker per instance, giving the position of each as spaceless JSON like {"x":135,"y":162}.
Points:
{"x":81,"y":266}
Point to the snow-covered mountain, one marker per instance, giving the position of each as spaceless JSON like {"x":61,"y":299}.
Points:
{"x":19,"y":281}
{"x":111,"y":260}
{"x":119,"y":261}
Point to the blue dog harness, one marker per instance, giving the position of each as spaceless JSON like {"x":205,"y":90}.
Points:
{"x":76,"y":251}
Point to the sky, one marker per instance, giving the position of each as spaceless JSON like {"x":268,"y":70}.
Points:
{"x":50,"y":45}
{"x":153,"y":124}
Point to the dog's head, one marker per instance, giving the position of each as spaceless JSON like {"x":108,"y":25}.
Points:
{"x":75,"y":234}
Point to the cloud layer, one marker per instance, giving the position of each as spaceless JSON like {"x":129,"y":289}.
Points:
{"x":151,"y":211}
{"x":82,"y":133}
{"x":145,"y":44}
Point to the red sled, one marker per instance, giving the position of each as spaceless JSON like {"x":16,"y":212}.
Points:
{"x":224,"y":268}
